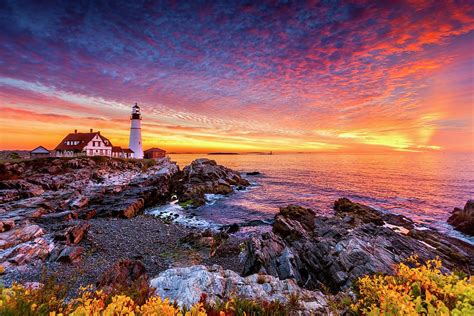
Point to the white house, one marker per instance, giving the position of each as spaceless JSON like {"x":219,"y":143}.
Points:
{"x":119,"y":152}
{"x":84,"y":144}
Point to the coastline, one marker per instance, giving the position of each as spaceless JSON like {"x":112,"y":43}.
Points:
{"x":104,"y":224}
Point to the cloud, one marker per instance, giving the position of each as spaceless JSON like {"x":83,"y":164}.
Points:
{"x":257,"y":72}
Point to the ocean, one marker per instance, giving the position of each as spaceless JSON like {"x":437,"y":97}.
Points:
{"x":423,"y":187}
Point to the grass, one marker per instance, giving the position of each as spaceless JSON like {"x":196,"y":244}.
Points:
{"x":186,"y":204}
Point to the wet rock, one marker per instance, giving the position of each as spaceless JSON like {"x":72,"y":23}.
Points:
{"x":204,"y":176}
{"x":187,"y":285}
{"x":463,"y":219}
{"x":358,"y":211}
{"x":124,"y":274}
{"x":253,"y":173}
{"x":333,"y":252}
{"x":302,"y":217}
{"x":231,"y":229}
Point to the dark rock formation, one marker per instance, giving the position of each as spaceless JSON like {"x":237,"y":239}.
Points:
{"x":72,"y":235}
{"x":253,"y":173}
{"x":463,"y":219}
{"x":206,"y":243}
{"x":333,"y":252}
{"x":57,"y":193}
{"x":204,"y":176}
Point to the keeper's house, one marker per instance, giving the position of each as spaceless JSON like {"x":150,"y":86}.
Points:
{"x":119,"y":152}
{"x":84,"y":144}
{"x":154,"y":153}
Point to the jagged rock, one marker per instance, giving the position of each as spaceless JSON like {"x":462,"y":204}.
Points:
{"x":303,"y":217}
{"x":187,"y":285}
{"x":339,"y":249}
{"x":74,"y":234}
{"x":133,"y":209}
{"x":70,"y":254}
{"x":124,"y":274}
{"x":205,"y":176}
{"x":6,"y":225}
{"x":39,"y":248}
{"x":8,"y":195}
{"x":55,"y":217}
{"x":80,"y":202}
{"x":231,"y":229}
{"x":463,"y":219}
{"x":19,"y":235}
{"x":361,"y":212}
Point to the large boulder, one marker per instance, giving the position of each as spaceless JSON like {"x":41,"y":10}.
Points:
{"x":205,"y":176}
{"x":299,"y":216}
{"x":186,"y":286}
{"x":335,"y":251}
{"x":463,"y":219}
{"x":73,"y":234}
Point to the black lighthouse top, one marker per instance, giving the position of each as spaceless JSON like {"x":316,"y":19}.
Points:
{"x":136,"y":113}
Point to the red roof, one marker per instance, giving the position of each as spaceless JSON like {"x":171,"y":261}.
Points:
{"x":82,"y":138}
{"x":118,"y":149}
{"x":155,"y":150}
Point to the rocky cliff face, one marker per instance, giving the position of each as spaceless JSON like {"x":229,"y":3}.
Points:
{"x":45,"y":202}
{"x":333,"y":252}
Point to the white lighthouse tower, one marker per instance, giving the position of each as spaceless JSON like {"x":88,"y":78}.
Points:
{"x":135,"y":143}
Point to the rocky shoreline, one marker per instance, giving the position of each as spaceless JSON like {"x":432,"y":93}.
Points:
{"x":82,"y":220}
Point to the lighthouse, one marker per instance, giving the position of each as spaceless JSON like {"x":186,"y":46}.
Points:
{"x":135,"y":143}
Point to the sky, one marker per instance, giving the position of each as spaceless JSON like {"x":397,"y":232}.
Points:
{"x":282,"y":76}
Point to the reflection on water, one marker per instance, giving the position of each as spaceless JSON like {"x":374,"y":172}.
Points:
{"x":424,"y":187}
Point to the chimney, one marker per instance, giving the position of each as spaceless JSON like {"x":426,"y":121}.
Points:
{"x":92,"y":130}
{"x":75,"y":131}
{"x":98,"y":132}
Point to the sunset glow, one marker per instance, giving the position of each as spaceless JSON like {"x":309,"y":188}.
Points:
{"x":240,"y":77}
